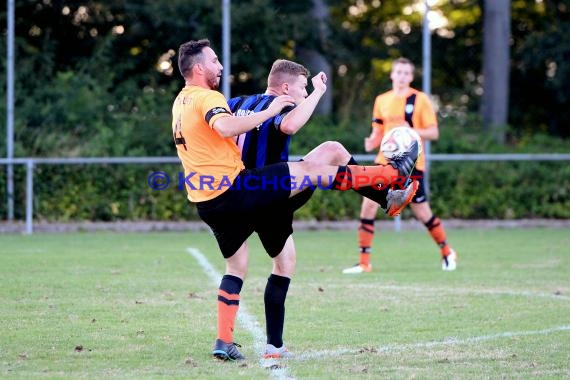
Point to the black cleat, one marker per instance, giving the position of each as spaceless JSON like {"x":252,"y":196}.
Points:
{"x":406,"y":162}
{"x":227,"y":351}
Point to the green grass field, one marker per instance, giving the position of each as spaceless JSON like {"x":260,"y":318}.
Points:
{"x":110,"y":305}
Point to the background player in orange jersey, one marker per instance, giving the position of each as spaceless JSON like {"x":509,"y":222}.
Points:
{"x":402,"y":105}
{"x":229,"y":196}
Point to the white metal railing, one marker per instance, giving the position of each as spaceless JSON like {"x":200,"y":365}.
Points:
{"x":31,"y":163}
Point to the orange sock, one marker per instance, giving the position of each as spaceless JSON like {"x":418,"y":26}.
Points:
{"x":366,"y":176}
{"x":365,"y":237}
{"x":228,"y":305}
{"x":437,"y":233}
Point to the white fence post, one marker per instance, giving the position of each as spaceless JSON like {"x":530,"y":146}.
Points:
{"x":29,"y":196}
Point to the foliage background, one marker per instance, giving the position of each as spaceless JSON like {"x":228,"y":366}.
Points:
{"x":89,"y":82}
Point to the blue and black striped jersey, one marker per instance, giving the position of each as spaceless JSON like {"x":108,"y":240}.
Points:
{"x":265,"y":144}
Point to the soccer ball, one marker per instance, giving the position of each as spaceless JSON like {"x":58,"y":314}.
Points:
{"x":398,"y":140}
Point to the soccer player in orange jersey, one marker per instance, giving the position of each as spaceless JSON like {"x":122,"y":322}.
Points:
{"x":227,"y":195}
{"x":402,"y":105}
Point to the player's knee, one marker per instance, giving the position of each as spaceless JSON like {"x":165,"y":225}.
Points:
{"x":284,"y":265}
{"x":422,"y":211}
{"x":237,"y":264}
{"x":337,"y":152}
{"x":369,"y":208}
{"x":310,"y":167}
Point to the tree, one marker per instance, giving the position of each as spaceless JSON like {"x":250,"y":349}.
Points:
{"x":368,"y":35}
{"x":496,"y":57}
{"x":541,"y":67}
{"x":314,"y":59}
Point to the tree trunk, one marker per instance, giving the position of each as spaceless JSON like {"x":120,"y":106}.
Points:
{"x":496,"y":57}
{"x":315,"y":61}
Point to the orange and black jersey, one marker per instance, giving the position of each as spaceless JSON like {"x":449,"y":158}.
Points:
{"x":211,"y":162}
{"x":266,"y":144}
{"x":391,"y":110}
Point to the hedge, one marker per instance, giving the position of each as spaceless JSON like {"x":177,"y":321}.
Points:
{"x":466,"y":190}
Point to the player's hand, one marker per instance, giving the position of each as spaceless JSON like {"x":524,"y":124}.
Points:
{"x":279,"y":103}
{"x":369,"y":144}
{"x":320,"y":82}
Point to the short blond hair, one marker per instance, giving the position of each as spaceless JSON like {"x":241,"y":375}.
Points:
{"x":283,"y":70}
{"x":403,"y":61}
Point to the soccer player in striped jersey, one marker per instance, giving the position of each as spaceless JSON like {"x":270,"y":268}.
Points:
{"x":229,"y":197}
{"x":268,"y":144}
{"x":402,"y":105}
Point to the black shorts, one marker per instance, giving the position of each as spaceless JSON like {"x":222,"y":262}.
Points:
{"x":421,"y":195}
{"x":275,"y":224}
{"x":233,"y":215}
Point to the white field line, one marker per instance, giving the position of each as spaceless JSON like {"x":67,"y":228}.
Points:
{"x":391,"y":348}
{"x":454,"y":290}
{"x":245,"y":319}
